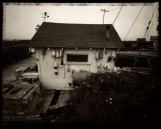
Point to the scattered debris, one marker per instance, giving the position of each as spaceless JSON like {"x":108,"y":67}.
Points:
{"x":20,"y":71}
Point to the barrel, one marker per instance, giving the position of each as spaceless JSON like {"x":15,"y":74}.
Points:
{"x":79,"y":76}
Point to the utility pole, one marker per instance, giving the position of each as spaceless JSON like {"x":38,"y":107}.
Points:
{"x":104,"y":11}
{"x":44,"y":15}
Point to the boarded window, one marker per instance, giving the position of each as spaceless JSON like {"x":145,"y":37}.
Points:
{"x":77,"y":58}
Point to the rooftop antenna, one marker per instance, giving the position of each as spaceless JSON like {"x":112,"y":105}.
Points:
{"x":104,"y":11}
{"x":44,"y":15}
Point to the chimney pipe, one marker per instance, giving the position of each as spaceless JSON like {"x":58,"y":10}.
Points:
{"x":108,"y":32}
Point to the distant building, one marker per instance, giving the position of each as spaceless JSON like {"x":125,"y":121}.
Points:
{"x":139,"y":44}
{"x":155,"y":41}
{"x":65,"y":51}
{"x":141,"y":39}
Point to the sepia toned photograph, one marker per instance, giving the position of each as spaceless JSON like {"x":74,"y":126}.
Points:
{"x":80,"y":63}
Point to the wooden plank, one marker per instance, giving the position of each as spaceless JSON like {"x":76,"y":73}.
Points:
{"x":44,"y":105}
{"x":30,"y":75}
{"x":26,"y":96}
{"x":47,"y":103}
{"x":19,"y":93}
{"x":63,"y":98}
{"x":6,"y":89}
{"x":21,"y":69}
{"x":22,"y":118}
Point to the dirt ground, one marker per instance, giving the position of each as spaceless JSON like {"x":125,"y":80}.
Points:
{"x":8,"y":72}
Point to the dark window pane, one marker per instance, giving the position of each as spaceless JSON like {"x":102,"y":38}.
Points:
{"x":77,"y":58}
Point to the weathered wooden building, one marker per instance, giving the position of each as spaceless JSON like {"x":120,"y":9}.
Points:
{"x":66,"y":52}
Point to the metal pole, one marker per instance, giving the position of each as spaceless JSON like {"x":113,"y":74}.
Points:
{"x":103,"y":16}
{"x":104,"y":11}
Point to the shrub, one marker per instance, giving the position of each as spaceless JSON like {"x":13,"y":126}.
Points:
{"x":126,"y":98}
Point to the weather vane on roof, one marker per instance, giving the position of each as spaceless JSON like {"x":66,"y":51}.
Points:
{"x":44,"y":15}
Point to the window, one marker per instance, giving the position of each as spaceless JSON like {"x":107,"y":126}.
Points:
{"x":77,"y":58}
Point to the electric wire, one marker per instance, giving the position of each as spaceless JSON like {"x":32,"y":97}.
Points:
{"x":117,"y":14}
{"x":134,"y":22}
{"x":151,"y":25}
{"x":150,"y":21}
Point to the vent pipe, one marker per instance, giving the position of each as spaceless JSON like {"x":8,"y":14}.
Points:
{"x":108,"y":32}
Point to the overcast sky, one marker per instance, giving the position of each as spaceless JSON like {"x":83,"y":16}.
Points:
{"x":20,"y":20}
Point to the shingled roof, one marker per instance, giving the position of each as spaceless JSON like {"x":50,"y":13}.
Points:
{"x":75,"y":35}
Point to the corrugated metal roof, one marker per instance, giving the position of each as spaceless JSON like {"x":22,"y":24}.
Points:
{"x":75,"y":35}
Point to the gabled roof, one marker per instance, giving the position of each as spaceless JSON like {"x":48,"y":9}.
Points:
{"x":75,"y":35}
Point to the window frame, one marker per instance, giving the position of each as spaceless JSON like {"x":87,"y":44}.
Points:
{"x":77,"y":53}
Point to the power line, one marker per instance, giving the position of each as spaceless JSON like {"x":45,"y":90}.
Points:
{"x":151,"y":25}
{"x":150,"y":21}
{"x":134,"y":22}
{"x":117,"y":14}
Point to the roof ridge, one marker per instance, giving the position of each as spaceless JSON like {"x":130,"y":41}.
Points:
{"x":73,"y":23}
